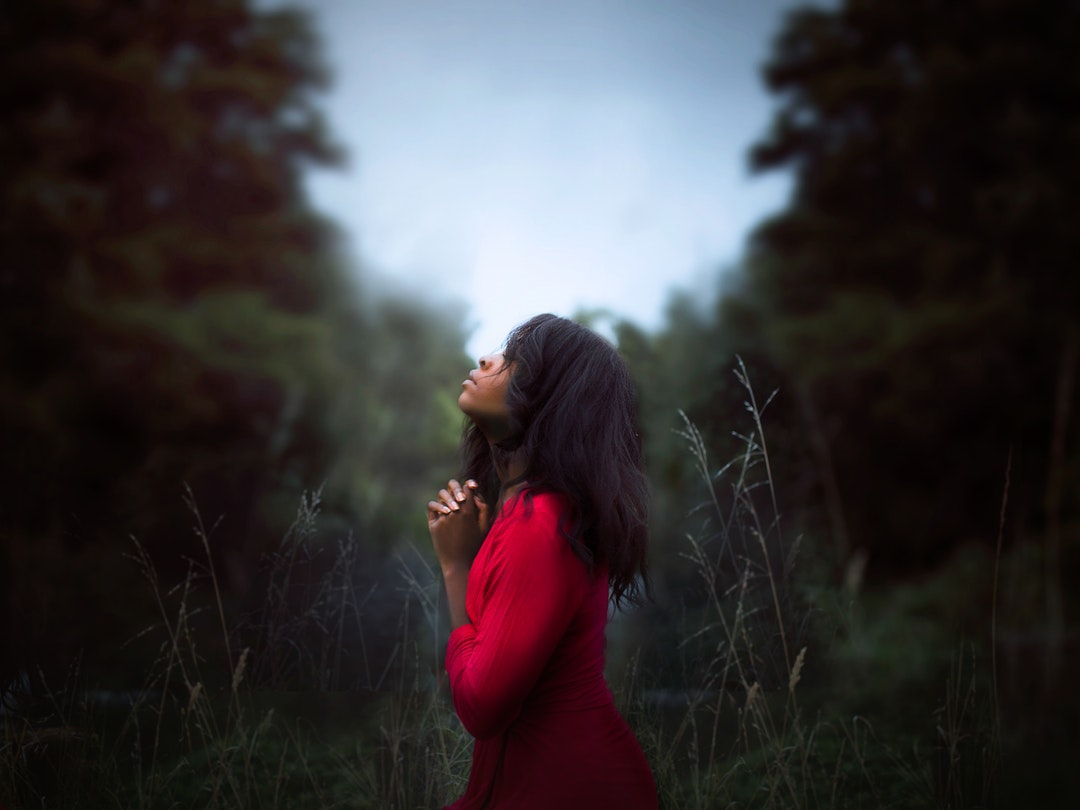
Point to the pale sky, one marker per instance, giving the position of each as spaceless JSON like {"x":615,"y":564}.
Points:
{"x":525,"y":156}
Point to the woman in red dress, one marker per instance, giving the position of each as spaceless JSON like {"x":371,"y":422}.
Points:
{"x":549,"y":526}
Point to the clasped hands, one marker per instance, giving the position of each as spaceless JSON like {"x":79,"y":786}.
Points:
{"x":457,"y":521}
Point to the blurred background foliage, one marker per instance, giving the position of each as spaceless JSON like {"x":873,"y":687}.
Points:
{"x":916,"y":302}
{"x":174,"y":312}
{"x":919,"y":291}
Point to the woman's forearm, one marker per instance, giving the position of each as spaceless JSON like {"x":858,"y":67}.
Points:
{"x":456,"y":580}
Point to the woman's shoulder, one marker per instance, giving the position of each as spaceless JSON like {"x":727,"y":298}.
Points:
{"x":540,"y":505}
{"x":533,"y":510}
{"x":530,"y":531}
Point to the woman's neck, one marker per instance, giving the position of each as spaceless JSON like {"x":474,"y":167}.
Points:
{"x":511,"y":475}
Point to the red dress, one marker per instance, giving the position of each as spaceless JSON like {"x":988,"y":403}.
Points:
{"x":527,"y":675}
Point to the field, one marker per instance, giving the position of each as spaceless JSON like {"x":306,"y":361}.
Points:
{"x":760,"y":679}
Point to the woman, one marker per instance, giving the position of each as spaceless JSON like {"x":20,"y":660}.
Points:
{"x":550,"y":521}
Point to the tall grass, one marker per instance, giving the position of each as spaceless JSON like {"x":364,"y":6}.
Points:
{"x":761,"y":694}
{"x":282,"y":706}
{"x":744,"y":727}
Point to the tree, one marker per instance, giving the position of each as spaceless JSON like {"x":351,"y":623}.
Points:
{"x":172,"y":310}
{"x":919,"y":290}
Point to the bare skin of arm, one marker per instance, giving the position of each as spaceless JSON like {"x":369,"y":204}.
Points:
{"x":457,"y":521}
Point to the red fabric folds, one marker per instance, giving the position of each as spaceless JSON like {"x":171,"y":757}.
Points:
{"x":527,"y":675}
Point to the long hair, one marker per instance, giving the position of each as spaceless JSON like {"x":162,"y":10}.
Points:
{"x":573,"y":415}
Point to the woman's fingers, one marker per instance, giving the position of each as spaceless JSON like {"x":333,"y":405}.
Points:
{"x":456,"y":490}
{"x":483,"y":516}
{"x":452,"y":497}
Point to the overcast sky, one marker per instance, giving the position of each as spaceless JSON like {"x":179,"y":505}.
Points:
{"x":546,"y":155}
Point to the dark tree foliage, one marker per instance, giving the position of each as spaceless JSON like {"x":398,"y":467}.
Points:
{"x":173,"y":312}
{"x":689,"y":368}
{"x":920,"y":289}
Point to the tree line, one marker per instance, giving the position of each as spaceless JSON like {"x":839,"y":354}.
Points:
{"x":175,"y":313}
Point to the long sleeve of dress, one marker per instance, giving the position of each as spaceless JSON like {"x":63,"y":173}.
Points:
{"x":522,"y":597}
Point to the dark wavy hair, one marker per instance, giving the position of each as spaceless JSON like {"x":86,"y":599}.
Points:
{"x":573,"y":414}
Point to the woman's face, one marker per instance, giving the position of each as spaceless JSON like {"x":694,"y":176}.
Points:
{"x":483,"y":395}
